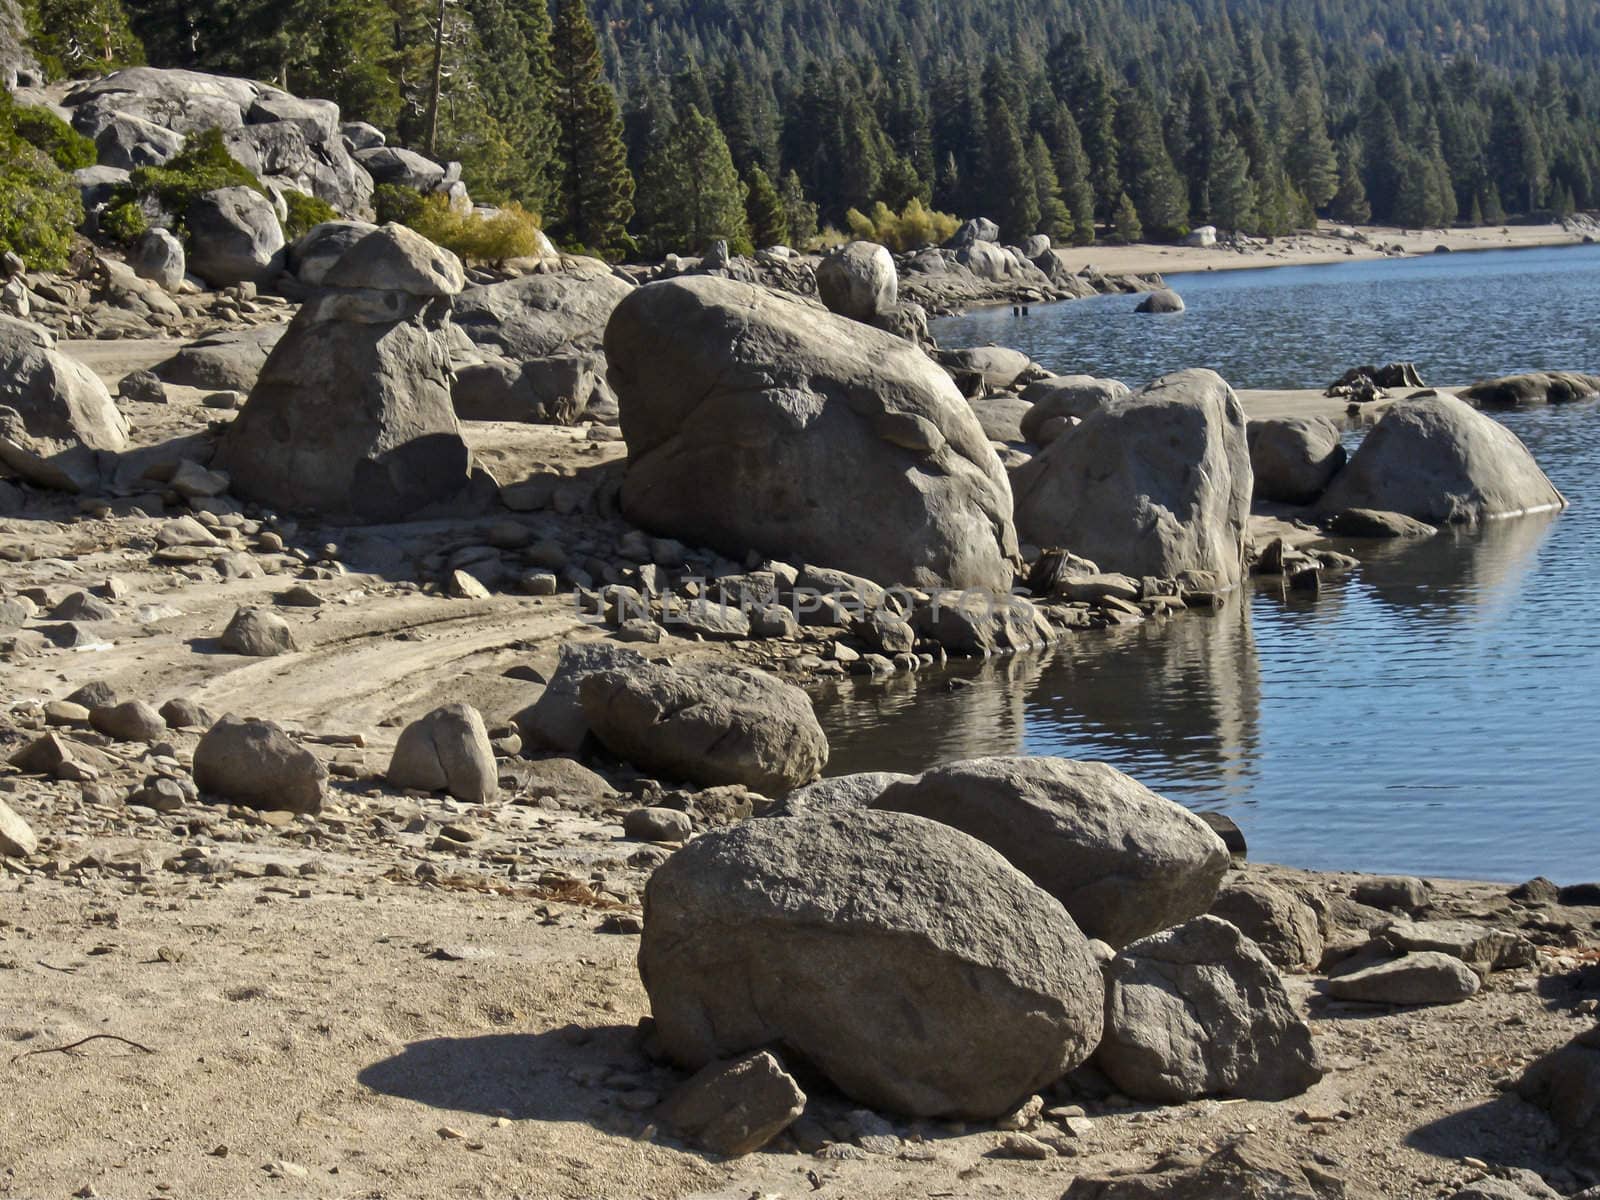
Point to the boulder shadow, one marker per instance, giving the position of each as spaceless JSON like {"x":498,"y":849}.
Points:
{"x":521,"y":1076}
{"x":1504,"y":1132}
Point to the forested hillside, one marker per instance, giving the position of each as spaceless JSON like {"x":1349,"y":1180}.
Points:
{"x":685,"y":119}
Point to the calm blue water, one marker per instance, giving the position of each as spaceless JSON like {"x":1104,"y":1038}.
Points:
{"x":1460,"y":317}
{"x":1432,"y":713}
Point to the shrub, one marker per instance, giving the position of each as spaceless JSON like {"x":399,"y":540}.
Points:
{"x":124,"y":222}
{"x":42,"y":129}
{"x":396,"y":202}
{"x":913,"y":226}
{"x":40,"y":206}
{"x":510,"y":232}
{"x":203,"y":165}
{"x":305,"y":213}
{"x":829,"y":239}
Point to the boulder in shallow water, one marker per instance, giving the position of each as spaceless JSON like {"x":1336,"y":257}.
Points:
{"x":802,"y":931}
{"x":1294,"y":459}
{"x":758,"y":421}
{"x":1437,"y":459}
{"x":1163,"y":300}
{"x":1537,"y":387}
{"x":1154,"y":484}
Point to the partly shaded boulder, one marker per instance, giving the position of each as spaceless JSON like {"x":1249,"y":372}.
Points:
{"x":734,"y":1108}
{"x":1155,"y":484}
{"x":858,"y":280}
{"x":707,"y":724}
{"x":55,"y":414}
{"x":1163,"y":300}
{"x":1437,"y":459}
{"x":1255,"y":1168}
{"x":1538,"y":387}
{"x":1283,"y":926}
{"x":234,"y":237}
{"x":159,"y":257}
{"x":555,"y":721}
{"x":257,"y":633}
{"x":313,"y":254}
{"x":1425,"y":977}
{"x":1293,"y":459}
{"x":253,"y":763}
{"x":755,"y":420}
{"x":838,"y":795}
{"x":1079,"y":396}
{"x":801,"y":932}
{"x":227,"y":361}
{"x":351,"y":416}
{"x":447,"y":751}
{"x":535,"y":316}
{"x":17,"y":838}
{"x":1000,"y":417}
{"x":1566,"y":1084}
{"x":1124,"y":861}
{"x":1199,"y":1011}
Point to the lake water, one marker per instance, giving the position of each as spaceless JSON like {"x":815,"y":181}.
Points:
{"x":1433,"y":712}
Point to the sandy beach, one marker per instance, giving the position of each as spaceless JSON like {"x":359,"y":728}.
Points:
{"x":1326,"y":245}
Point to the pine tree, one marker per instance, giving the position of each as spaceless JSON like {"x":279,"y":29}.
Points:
{"x":1125,"y":221}
{"x":799,"y":212}
{"x":1308,"y":151}
{"x":769,"y":221}
{"x":84,"y":37}
{"x":1152,"y":181}
{"x":695,"y":196}
{"x":1350,"y":201}
{"x":1080,"y":79}
{"x":596,"y":194}
{"x":1055,"y":219}
{"x":1010,"y":194}
{"x":1232,"y":192}
{"x":1072,"y":172}
{"x":538,"y":144}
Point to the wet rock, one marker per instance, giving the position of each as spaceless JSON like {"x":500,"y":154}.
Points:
{"x":1197,"y":1011}
{"x":446,"y":751}
{"x":1372,"y":523}
{"x":1436,"y":459}
{"x":1537,"y":387}
{"x":1427,"y":977}
{"x":1164,"y":300}
{"x":707,"y":724}
{"x":1124,"y":861}
{"x":887,"y":474}
{"x":16,"y":838}
{"x":658,"y":825}
{"x":789,"y":931}
{"x":130,"y":721}
{"x":258,"y":633}
{"x":1157,"y":484}
{"x":254,"y":763}
{"x":734,"y":1108}
{"x":1282,"y":926}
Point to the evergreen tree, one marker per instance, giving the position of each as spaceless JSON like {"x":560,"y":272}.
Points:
{"x":1152,"y":181}
{"x":1308,"y":154}
{"x":83,"y":37}
{"x":1055,"y":219}
{"x":1080,"y":79}
{"x":1350,"y":201}
{"x":1203,"y":129}
{"x":1232,"y":192}
{"x":1515,"y":152}
{"x":1010,"y":193}
{"x":1125,"y":221}
{"x":769,"y":220}
{"x":695,"y":195}
{"x":1072,"y":172}
{"x":596,"y":189}
{"x":798,"y":211}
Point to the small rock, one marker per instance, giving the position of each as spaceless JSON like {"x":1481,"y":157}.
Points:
{"x":1427,"y":977}
{"x":181,"y":713}
{"x":734,"y":1108}
{"x":131,"y":721}
{"x":16,"y":838}
{"x":257,"y":633}
{"x":658,"y":825}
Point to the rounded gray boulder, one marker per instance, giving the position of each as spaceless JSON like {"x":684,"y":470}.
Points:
{"x":1294,"y":458}
{"x":908,"y":963}
{"x":447,"y":751}
{"x":858,"y":281}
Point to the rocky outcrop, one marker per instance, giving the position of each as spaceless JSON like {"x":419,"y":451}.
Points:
{"x":859,"y":281}
{"x":1437,"y":459}
{"x":1199,"y":1011}
{"x":1124,"y":861}
{"x":707,"y":724}
{"x":789,"y":931}
{"x":55,"y":414}
{"x":1293,"y":459}
{"x":140,"y":116}
{"x":447,"y":751}
{"x":1155,"y":484}
{"x":757,"y":421}
{"x":235,"y":237}
{"x":351,"y":415}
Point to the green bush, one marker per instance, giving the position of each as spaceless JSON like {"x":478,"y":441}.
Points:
{"x":305,"y":213}
{"x":395,"y":202}
{"x":124,"y":222}
{"x":511,"y":232}
{"x":203,"y":165}
{"x":40,"y":206}
{"x":45,"y":131}
{"x":912,"y":227}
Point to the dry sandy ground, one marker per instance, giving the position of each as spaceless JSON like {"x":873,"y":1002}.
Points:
{"x":345,"y":1007}
{"x":1304,"y":250}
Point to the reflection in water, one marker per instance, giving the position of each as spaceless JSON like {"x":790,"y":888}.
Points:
{"x":1429,"y":713}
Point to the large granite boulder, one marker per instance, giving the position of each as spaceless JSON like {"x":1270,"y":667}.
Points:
{"x":708,"y":724}
{"x":1437,"y":459}
{"x":1075,"y":397}
{"x":858,"y":281}
{"x":1124,"y":861}
{"x":1155,"y":484}
{"x":1293,"y":459}
{"x":351,"y":416}
{"x":447,"y":751}
{"x":255,"y":764}
{"x":55,"y":414}
{"x":159,"y":257}
{"x":907,"y":962}
{"x":234,"y":237}
{"x":1200,"y":1011}
{"x":758,"y":421}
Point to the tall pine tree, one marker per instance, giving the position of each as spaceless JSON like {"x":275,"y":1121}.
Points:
{"x":596,"y":194}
